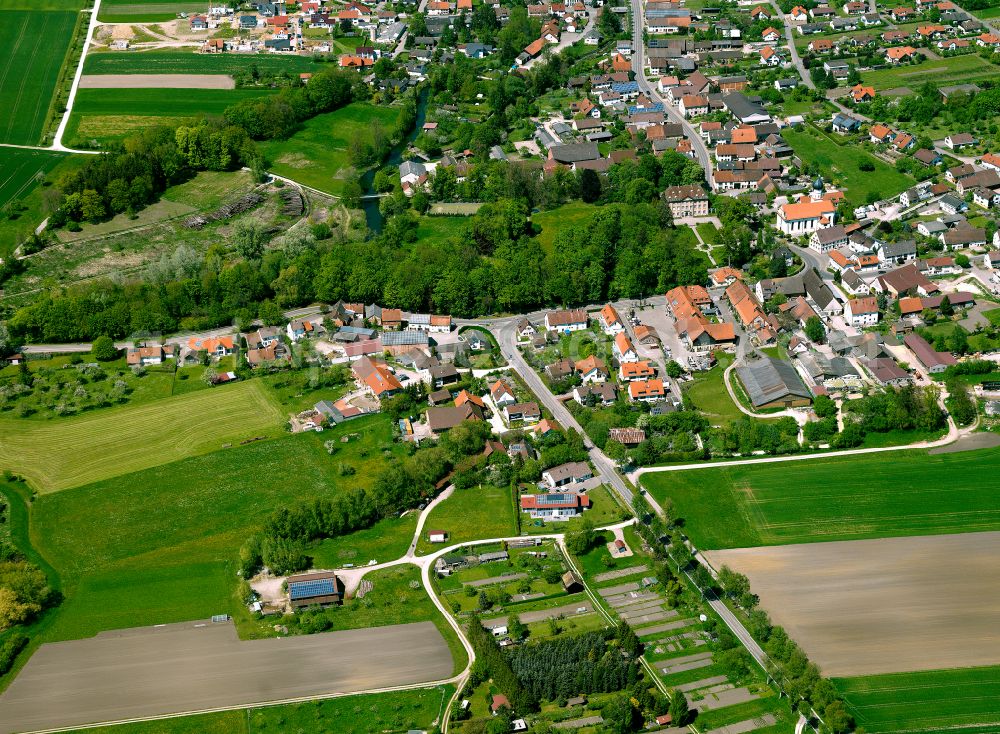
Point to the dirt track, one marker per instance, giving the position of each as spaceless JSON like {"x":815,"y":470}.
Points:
{"x":153,"y":671}
{"x":157,"y":81}
{"x":878,"y":606}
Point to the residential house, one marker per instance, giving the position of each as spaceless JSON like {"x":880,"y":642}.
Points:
{"x":527,"y":412}
{"x":862,"y":312}
{"x":376,"y":377}
{"x":575,"y":472}
{"x":647,"y":391}
{"x":553,"y":506}
{"x":610,"y":321}
{"x":566,"y":321}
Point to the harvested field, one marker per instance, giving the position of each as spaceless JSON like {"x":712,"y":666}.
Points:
{"x":156,"y":671}
{"x":879,"y":606}
{"x":157,"y":81}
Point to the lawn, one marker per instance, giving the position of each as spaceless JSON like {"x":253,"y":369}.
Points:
{"x":956,"y":69}
{"x":317,"y":155}
{"x":709,"y":233}
{"x":929,"y":701}
{"x":35,"y":44}
{"x":471,"y":514}
{"x":840,"y":164}
{"x":567,"y":216}
{"x":58,"y":454}
{"x":187,"y":62}
{"x":373,"y":713}
{"x":845,"y":498}
{"x":439,"y":229}
{"x":160,"y":545}
{"x":385,"y":541}
{"x":109,"y":114}
{"x":707,"y":392}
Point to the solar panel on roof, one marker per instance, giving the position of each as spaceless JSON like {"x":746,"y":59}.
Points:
{"x":308,"y":589}
{"x":558,"y":499}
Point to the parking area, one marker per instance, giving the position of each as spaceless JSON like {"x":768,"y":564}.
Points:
{"x":192,"y":666}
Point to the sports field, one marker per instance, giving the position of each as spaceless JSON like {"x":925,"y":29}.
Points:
{"x":317,"y":155}
{"x":896,"y":493}
{"x":189,"y":62}
{"x":160,"y":545}
{"x":870,"y":607}
{"x":840,"y":163}
{"x":35,"y":44}
{"x":106,"y":114}
{"x":965,"y":699}
{"x":56,"y":455}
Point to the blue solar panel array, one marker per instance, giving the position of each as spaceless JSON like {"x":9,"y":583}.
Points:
{"x":309,"y":589}
{"x":557,"y":499}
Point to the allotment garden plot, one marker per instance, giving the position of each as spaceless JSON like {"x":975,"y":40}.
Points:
{"x":878,"y":606}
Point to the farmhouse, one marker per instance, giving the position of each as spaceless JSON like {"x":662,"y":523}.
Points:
{"x":376,"y":377}
{"x":314,"y":589}
{"x":554,"y":506}
{"x":933,"y":361}
{"x":772,"y":383}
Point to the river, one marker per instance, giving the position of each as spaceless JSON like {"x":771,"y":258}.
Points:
{"x":372,"y":213}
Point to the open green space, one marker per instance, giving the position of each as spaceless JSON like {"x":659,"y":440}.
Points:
{"x":145,"y":11}
{"x":473,"y":513}
{"x":439,"y":229}
{"x":56,"y":455}
{"x":35,"y":44}
{"x":900,"y":493}
{"x":966,"y":699}
{"x":952,"y":70}
{"x":840,"y":163}
{"x":709,"y":233}
{"x":567,"y":216}
{"x":604,"y":510}
{"x":190,"y":62}
{"x":161,"y":545}
{"x":385,"y":541}
{"x":374,"y":713}
{"x":110,"y":114}
{"x":707,"y":392}
{"x":317,"y":155}
{"x":22,"y":174}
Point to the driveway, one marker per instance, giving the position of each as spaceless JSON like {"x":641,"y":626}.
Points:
{"x":188,"y":667}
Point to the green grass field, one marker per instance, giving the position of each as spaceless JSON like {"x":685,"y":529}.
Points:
{"x":317,"y":155}
{"x":568,"y":215}
{"x":708,"y":393}
{"x":190,"y":62}
{"x":109,"y":114}
{"x":846,"y":498}
{"x":438,"y":230}
{"x":17,"y":171}
{"x":375,"y":713}
{"x":35,"y":44}
{"x":964,"y":69}
{"x":709,"y":233}
{"x":385,"y":541}
{"x":840,"y":163}
{"x":471,"y":514}
{"x":145,"y":11}
{"x":56,"y":455}
{"x":160,"y":545}
{"x":966,"y":700}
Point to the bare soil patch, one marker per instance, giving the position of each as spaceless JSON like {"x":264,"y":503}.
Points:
{"x":156,"y":671}
{"x":157,"y":81}
{"x":890,"y":605}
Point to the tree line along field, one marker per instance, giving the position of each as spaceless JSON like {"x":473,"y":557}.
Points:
{"x":35,"y":42}
{"x":160,"y":545}
{"x":56,"y":455}
{"x":899,"y":493}
{"x":930,"y":702}
{"x":318,"y":154}
{"x":372,"y":713}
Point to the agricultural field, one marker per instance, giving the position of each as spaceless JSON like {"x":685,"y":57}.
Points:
{"x":839,"y":163}
{"x":471,"y":514}
{"x":862,"y":607}
{"x":361,"y":714}
{"x":317,"y":155}
{"x":145,"y":11}
{"x":160,"y":545}
{"x":189,"y":62}
{"x":952,"y":70}
{"x":932,"y":701}
{"x":848,"y":498}
{"x":104,"y":115}
{"x":57,"y":455}
{"x":35,"y":42}
{"x":22,"y":174}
